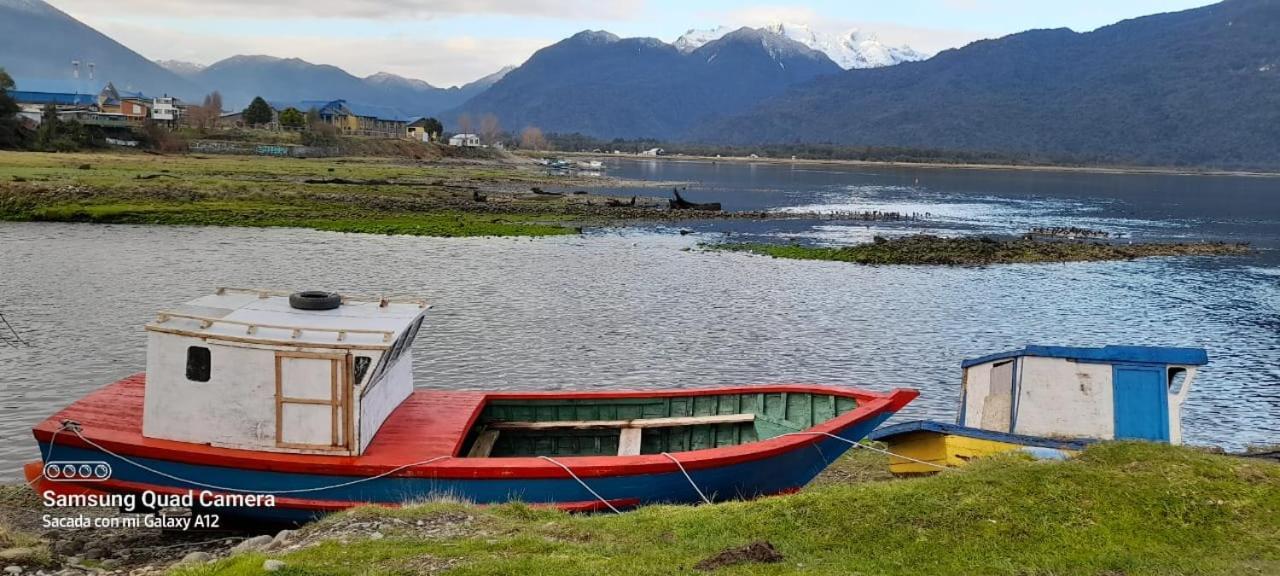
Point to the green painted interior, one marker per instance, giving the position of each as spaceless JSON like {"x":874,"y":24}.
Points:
{"x":776,"y":413}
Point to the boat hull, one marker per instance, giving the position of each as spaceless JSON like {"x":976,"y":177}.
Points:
{"x":925,"y":447}
{"x":304,"y":487}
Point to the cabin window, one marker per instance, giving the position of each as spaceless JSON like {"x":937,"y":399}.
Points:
{"x":392,"y":355}
{"x":1177,"y":379}
{"x":361,"y":367}
{"x":198,"y":364}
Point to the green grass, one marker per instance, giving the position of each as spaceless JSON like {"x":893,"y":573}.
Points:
{"x":1125,"y":508}
{"x":420,"y":199}
{"x":268,"y":214}
{"x":925,"y":249}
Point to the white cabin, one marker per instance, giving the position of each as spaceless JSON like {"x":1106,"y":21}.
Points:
{"x":1114,"y":392}
{"x":465,"y":140}
{"x":247,"y":369}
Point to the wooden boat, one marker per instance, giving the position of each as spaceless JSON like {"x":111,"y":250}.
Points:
{"x":926,"y":446}
{"x":247,"y":395}
{"x":1050,"y":402}
{"x":679,"y":203}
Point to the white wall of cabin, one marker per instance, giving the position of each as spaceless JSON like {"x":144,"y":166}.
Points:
{"x":977,"y":381}
{"x":235,"y":408}
{"x":1060,"y":397}
{"x":381,"y":400}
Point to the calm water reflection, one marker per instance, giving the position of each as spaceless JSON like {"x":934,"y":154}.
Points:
{"x":636,"y":310}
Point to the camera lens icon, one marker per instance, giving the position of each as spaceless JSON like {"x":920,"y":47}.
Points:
{"x":94,"y":471}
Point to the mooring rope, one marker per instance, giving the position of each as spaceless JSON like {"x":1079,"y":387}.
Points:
{"x":856,"y":444}
{"x":49,"y":456}
{"x":74,"y":427}
{"x":584,"y":484}
{"x":689,"y":478}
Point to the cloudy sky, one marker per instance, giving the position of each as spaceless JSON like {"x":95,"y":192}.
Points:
{"x":448,"y":42}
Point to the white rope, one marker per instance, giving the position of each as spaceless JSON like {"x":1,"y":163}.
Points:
{"x":584,"y":484}
{"x":241,"y":490}
{"x":46,"y":457}
{"x":871,"y":448}
{"x":687,"y":477}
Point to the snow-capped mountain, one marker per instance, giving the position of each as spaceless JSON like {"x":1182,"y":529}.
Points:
{"x":854,"y":49}
{"x":694,"y":38}
{"x":390,"y":80}
{"x":181,"y":67}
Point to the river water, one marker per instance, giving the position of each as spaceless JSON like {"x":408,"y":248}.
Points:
{"x":647,"y":309}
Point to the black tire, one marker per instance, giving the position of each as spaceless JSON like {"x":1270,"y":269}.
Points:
{"x":315,"y":300}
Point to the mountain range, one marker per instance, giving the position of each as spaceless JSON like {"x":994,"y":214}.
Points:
{"x":39,"y":42}
{"x":1197,"y":87}
{"x":240,"y":78}
{"x":601,"y":85}
{"x":853,"y":49}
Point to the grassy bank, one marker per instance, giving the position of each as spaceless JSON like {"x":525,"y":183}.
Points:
{"x":376,"y":195}
{"x":980,"y":251}
{"x":1128,"y":509}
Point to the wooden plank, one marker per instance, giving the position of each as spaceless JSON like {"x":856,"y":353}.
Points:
{"x":279,"y":402}
{"x":348,"y":403}
{"x":312,"y":401}
{"x":629,"y":442}
{"x":483,"y":444}
{"x":333,"y":402}
{"x":635,"y":423}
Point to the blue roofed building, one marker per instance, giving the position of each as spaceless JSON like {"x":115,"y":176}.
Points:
{"x":356,"y":119}
{"x":60,"y":93}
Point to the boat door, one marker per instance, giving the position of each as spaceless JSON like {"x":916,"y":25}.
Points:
{"x":1141,"y":403}
{"x":312,"y":401}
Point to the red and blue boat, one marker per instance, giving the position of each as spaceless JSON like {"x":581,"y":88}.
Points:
{"x":276,"y":407}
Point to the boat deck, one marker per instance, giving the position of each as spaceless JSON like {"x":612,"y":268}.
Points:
{"x":424,"y":436}
{"x":429,"y":424}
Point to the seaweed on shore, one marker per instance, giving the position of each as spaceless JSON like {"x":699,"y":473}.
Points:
{"x":925,"y":249}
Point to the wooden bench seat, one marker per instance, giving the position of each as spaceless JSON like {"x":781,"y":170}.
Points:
{"x":633,"y":423}
{"x":630,"y":430}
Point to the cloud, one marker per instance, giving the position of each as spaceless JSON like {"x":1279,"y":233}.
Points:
{"x":440,"y":61}
{"x":361,"y":9}
{"x":761,"y":15}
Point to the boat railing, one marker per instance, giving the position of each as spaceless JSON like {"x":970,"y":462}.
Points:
{"x":253,"y":327}
{"x":381,"y":300}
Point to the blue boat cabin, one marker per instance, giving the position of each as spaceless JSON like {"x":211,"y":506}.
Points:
{"x":1113,"y":392}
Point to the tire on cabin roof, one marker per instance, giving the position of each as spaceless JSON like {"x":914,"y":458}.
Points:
{"x":315,"y":300}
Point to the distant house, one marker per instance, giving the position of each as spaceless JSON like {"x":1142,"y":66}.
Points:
{"x":653,"y":152}
{"x":354,"y":119}
{"x":465,"y":140}
{"x":109,"y":99}
{"x":136,"y":107}
{"x":230,"y":120}
{"x":417,"y":130}
{"x":166,"y":109}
